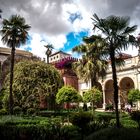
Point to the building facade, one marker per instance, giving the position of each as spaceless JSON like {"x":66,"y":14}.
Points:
{"x":63,"y":62}
{"x":128,"y":78}
{"x":5,"y":55}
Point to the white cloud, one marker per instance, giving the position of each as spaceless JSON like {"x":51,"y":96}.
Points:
{"x":49,"y":18}
{"x":57,"y":41}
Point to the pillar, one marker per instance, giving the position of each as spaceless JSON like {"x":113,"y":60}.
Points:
{"x":104,"y":103}
{"x":119,"y":100}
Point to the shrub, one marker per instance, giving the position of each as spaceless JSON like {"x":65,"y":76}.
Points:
{"x":37,"y":129}
{"x":80,"y":119}
{"x":70,"y":132}
{"x":94,"y":126}
{"x":135,"y":115}
{"x":17,"y":110}
{"x":47,"y":113}
{"x":3,"y":111}
{"x":31,"y":111}
{"x":115,"y":134}
{"x":129,"y":123}
{"x":109,"y":107}
{"x":105,"y":118}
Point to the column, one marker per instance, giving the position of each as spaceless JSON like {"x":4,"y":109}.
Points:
{"x":104,"y":103}
{"x":119,"y":99}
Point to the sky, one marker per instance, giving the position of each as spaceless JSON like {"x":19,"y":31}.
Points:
{"x":63,"y":23}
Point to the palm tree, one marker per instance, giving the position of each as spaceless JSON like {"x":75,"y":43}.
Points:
{"x":92,"y":65}
{"x":118,"y":36}
{"x":49,"y":48}
{"x":14,"y":33}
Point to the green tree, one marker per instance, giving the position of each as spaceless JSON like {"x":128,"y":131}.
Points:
{"x":133,"y":95}
{"x":33,"y":81}
{"x":14,"y":33}
{"x":117,"y":34}
{"x":93,"y":95}
{"x":68,"y":94}
{"x":92,"y":65}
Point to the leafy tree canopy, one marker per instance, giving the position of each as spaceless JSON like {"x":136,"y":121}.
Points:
{"x":33,"y":80}
{"x":67,"y":94}
{"x":133,"y":95}
{"x":93,"y":95}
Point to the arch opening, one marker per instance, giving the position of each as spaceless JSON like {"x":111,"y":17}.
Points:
{"x":109,"y":90}
{"x":125,"y":85}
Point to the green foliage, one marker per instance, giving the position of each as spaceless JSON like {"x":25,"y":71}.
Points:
{"x":105,"y":118}
{"x":17,"y":110}
{"x":115,"y":134}
{"x":92,"y":65}
{"x":3,"y":112}
{"x":33,"y":80}
{"x":92,"y":95}
{"x":109,"y":107}
{"x":48,"y":113}
{"x":31,"y":111}
{"x":37,"y":129}
{"x":67,"y":94}
{"x":1,"y":98}
{"x":81,"y":119}
{"x":133,"y":95}
{"x":135,"y":115}
{"x":70,"y":132}
{"x":128,"y":123}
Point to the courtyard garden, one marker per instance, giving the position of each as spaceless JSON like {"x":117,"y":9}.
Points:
{"x":36,"y":104}
{"x":81,"y":125}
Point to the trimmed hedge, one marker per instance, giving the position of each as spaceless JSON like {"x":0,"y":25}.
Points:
{"x":115,"y":134}
{"x":37,"y":129}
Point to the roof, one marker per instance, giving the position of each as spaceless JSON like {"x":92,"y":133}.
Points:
{"x":7,"y":51}
{"x":59,"y":52}
{"x":124,"y":56}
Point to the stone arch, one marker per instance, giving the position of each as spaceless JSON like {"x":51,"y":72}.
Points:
{"x":109,"y":90}
{"x":126,"y":83}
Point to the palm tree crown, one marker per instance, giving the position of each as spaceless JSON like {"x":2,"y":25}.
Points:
{"x":92,"y":65}
{"x":14,"y":31}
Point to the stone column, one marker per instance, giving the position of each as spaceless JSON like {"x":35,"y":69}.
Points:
{"x":119,"y":99}
{"x":104,"y":103}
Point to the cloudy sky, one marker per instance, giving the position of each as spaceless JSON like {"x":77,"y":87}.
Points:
{"x":63,"y":23}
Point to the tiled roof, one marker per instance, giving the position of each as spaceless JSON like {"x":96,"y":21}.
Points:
{"x":7,"y":51}
{"x":59,"y":52}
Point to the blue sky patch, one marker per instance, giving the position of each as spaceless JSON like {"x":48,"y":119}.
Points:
{"x":74,"y":39}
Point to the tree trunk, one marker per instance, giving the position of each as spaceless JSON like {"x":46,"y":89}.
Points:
{"x":115,"y":84}
{"x":93,"y":80}
{"x":11,"y":101}
{"x":47,"y":59}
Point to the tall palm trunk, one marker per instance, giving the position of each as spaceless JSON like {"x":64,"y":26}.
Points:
{"x":115,"y":84}
{"x":47,"y":59}
{"x":93,"y":83}
{"x":11,"y":101}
